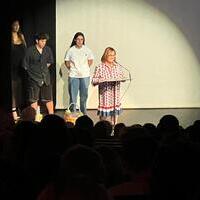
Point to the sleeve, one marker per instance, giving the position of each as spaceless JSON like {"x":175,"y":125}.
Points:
{"x":50,"y":58}
{"x":67,"y":55}
{"x":97,"y":76}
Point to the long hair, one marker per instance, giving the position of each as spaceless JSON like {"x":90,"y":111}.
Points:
{"x":75,"y":37}
{"x":105,"y":54}
{"x":19,"y":32}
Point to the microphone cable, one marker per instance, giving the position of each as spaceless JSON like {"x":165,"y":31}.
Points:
{"x":130,"y":78}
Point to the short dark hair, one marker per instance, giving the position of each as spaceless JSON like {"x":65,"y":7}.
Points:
{"x":41,"y":36}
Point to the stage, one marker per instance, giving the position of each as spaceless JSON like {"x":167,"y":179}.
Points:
{"x":186,"y":116}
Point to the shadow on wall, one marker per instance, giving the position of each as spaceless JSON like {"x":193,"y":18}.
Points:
{"x":63,"y":75}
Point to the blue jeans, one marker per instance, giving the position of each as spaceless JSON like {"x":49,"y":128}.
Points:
{"x":78,"y":85}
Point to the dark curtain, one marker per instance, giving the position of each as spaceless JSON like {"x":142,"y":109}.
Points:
{"x":34,"y":16}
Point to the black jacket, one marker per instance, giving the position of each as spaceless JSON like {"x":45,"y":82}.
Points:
{"x":35,"y":64}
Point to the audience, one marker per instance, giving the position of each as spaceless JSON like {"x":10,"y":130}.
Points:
{"x":80,"y":177}
{"x":53,"y":159}
{"x":138,"y":154}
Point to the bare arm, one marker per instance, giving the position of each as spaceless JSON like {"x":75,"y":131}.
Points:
{"x":67,"y":64}
{"x":90,"y":62}
{"x":23,"y":40}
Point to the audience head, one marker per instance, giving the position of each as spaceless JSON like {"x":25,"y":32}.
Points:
{"x":28,"y":114}
{"x":169,"y":129}
{"x":54,"y":136}
{"x":81,"y":164}
{"x":193,"y":131}
{"x":6,"y":120}
{"x":139,"y":148}
{"x":168,"y":123}
{"x":84,"y":122}
{"x":152,"y":129}
{"x":103,"y":129}
{"x":118,"y":128}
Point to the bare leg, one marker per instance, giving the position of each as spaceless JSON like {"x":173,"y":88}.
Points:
{"x":114,"y":119}
{"x":49,"y":106}
{"x":14,"y":114}
{"x":35,"y":105}
{"x":102,"y":118}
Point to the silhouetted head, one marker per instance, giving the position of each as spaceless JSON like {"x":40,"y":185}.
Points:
{"x":117,"y":129}
{"x":84,"y":122}
{"x":139,"y":148}
{"x":168,"y":123}
{"x":28,"y":114}
{"x":103,"y":129}
{"x":81,"y":164}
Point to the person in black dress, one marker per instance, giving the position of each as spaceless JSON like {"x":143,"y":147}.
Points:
{"x":18,"y":47}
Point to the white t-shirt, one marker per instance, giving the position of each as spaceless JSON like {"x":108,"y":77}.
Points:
{"x":80,"y":57}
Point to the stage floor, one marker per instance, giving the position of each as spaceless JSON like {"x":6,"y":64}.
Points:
{"x":186,"y":116}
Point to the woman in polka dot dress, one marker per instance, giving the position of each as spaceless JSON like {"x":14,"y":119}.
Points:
{"x":108,"y":76}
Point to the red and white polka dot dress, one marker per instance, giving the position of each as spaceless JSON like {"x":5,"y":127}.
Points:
{"x":109,"y":92}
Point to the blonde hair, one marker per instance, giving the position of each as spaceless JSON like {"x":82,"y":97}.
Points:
{"x":106,"y":52}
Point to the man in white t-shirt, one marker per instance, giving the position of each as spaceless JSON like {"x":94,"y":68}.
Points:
{"x":78,"y":60}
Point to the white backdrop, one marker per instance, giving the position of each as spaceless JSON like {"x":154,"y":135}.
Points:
{"x":163,"y":66}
